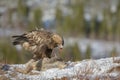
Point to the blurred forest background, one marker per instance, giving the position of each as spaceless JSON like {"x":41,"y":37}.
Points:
{"x":91,"y":28}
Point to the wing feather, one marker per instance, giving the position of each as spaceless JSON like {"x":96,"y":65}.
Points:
{"x":38,"y":37}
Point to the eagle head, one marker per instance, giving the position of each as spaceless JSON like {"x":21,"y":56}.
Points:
{"x":58,"y":41}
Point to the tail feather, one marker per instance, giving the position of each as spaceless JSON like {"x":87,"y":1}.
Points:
{"x":18,"y":39}
{"x":15,"y":36}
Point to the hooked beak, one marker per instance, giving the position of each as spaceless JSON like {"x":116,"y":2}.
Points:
{"x":60,"y":47}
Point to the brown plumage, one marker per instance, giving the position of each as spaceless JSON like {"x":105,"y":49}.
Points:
{"x":40,"y":42}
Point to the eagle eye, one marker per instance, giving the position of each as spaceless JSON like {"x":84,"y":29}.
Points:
{"x":56,"y":45}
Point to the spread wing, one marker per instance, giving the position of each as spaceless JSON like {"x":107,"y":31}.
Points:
{"x":35,"y":41}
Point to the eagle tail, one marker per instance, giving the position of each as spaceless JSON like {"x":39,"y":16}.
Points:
{"x":19,"y":39}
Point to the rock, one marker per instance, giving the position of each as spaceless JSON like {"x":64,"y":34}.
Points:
{"x":5,"y":67}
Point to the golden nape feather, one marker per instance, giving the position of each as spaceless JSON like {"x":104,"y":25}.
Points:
{"x":40,"y":42}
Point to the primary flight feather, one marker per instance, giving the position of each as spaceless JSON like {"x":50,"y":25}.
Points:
{"x":40,"y":42}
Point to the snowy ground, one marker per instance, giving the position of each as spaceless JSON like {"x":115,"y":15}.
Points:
{"x":104,"y":69}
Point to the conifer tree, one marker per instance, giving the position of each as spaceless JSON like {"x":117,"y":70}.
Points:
{"x":59,"y":17}
{"x":37,"y":19}
{"x":88,"y":52}
{"x":22,"y":9}
{"x":77,"y":54}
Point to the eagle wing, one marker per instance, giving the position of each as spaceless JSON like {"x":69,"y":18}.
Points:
{"x":34,"y":41}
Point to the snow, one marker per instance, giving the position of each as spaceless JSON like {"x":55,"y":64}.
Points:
{"x":88,"y":68}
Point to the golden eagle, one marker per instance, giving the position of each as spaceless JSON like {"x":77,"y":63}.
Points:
{"x":40,"y":42}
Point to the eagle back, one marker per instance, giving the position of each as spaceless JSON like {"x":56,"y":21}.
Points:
{"x":38,"y":37}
